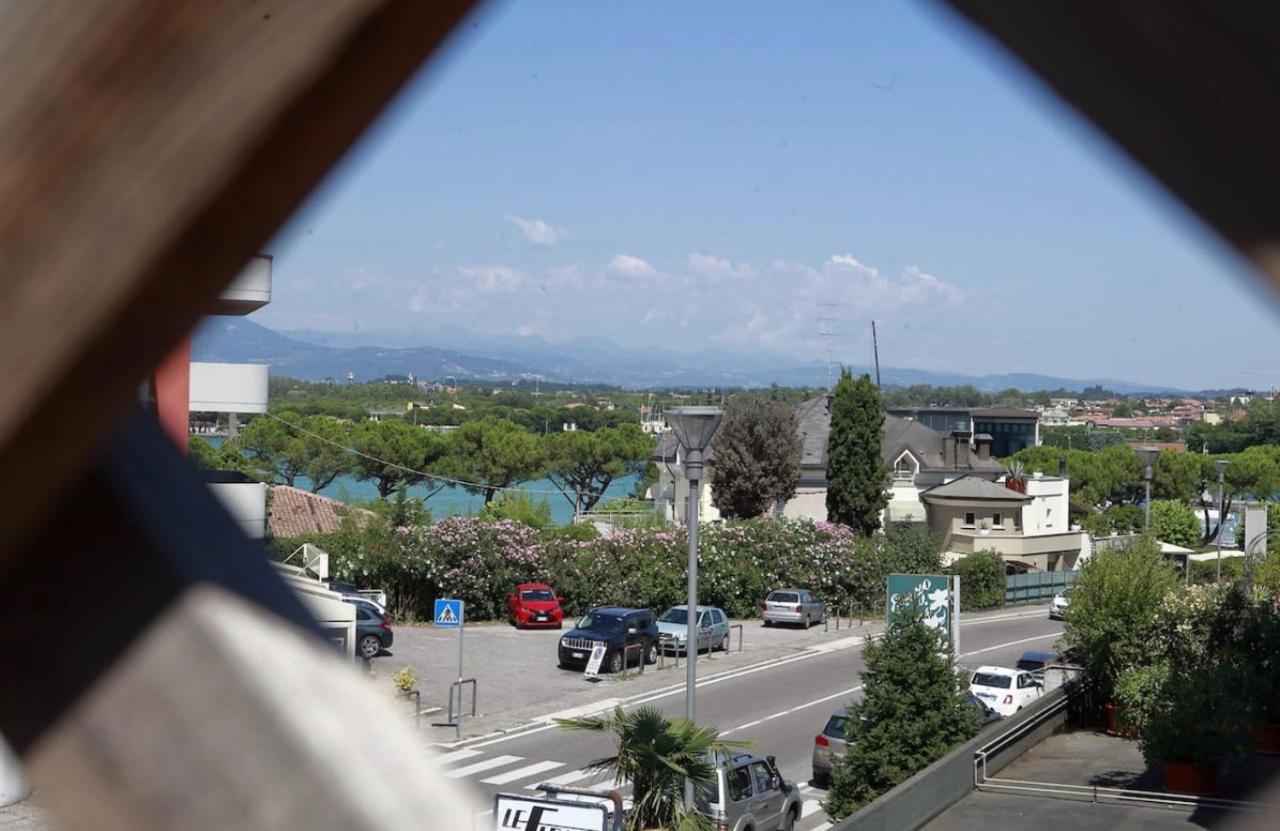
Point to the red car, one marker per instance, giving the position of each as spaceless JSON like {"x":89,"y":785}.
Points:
{"x":535,"y":605}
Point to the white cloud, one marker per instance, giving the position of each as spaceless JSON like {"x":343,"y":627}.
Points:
{"x":625,"y":265}
{"x":538,"y":231}
{"x":490,"y":279}
{"x":718,"y":267}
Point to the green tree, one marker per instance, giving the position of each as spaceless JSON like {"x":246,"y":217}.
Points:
{"x":1175,"y":522}
{"x":913,"y":712}
{"x":982,"y":580}
{"x":1253,"y":473}
{"x":1115,"y":604}
{"x":857,"y":477}
{"x":518,"y":506}
{"x":491,"y":455}
{"x":757,"y":457}
{"x":583,"y":465}
{"x":392,"y":453}
{"x":655,"y":755}
{"x":226,"y":456}
{"x":324,"y":448}
{"x":275,"y":451}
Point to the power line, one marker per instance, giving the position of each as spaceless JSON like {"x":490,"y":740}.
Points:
{"x":432,"y":476}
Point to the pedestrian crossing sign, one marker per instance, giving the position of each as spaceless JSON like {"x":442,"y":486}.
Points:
{"x":448,"y":613}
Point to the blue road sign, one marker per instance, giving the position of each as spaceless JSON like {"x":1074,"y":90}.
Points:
{"x":448,"y":614}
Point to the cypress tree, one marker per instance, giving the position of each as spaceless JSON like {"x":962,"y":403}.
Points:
{"x":912,"y":713}
{"x":857,"y":477}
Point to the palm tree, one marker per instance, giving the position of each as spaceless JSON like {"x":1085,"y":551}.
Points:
{"x":656,"y":754}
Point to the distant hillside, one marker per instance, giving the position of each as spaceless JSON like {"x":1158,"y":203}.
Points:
{"x":318,"y":355}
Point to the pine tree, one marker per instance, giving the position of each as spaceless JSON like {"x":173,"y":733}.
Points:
{"x":757,"y":457}
{"x":857,"y":477}
{"x":913,"y":712}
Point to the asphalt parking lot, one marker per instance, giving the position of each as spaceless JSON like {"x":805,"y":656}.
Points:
{"x":519,"y":680}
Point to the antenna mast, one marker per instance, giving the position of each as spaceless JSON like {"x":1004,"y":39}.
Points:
{"x":875,"y":347}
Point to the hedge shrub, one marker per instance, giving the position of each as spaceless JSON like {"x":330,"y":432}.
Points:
{"x":982,"y":581}
{"x":739,"y":563}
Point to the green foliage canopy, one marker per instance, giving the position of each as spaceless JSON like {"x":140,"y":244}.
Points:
{"x":757,"y":457}
{"x":857,"y":477}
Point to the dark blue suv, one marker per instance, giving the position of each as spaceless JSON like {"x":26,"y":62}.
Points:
{"x":618,"y":628}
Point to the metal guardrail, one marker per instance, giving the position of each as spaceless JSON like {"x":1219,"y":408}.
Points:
{"x":862,"y":612}
{"x":1095,"y":793}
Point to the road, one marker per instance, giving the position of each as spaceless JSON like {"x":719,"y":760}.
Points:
{"x":778,"y":707}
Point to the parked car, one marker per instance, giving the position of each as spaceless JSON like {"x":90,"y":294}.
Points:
{"x":618,"y":627}
{"x":1005,"y":690}
{"x":748,"y":792}
{"x":534,"y":605}
{"x":988,"y":714}
{"x":793,"y":606}
{"x":373,"y":630}
{"x":1034,"y":662}
{"x":827,"y":745}
{"x":713,"y":629}
{"x":1058,"y":606}
{"x":377,"y":597}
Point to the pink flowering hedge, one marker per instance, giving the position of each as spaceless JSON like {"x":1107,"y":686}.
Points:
{"x":739,"y":564}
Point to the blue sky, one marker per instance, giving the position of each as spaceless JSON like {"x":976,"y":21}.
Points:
{"x":673,"y":174}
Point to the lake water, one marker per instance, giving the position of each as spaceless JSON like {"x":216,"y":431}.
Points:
{"x":456,"y":501}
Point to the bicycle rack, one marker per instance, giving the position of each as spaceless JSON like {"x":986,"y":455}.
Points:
{"x":416,"y":695}
{"x":456,"y":722}
{"x":662,"y":651}
{"x":737,"y":626}
{"x":626,"y":660}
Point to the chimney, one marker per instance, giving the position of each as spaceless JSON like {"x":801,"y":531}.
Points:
{"x":983,"y":441}
{"x":962,"y":447}
{"x":949,"y":451}
{"x":1062,"y":467}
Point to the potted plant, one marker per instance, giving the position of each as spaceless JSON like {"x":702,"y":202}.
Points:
{"x":1192,"y":724}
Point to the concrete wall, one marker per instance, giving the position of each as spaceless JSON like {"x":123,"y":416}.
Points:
{"x":808,"y":503}
{"x":948,"y":520}
{"x":673,"y":481}
{"x":228,"y":388}
{"x":1047,"y":511}
{"x":945,"y":782}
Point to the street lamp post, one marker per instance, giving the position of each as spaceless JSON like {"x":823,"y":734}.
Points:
{"x":1147,"y":455}
{"x":1220,"y":465}
{"x":694,"y":427}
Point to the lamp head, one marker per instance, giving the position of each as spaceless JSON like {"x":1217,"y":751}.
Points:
{"x":694,"y":426}
{"x":1220,"y":466}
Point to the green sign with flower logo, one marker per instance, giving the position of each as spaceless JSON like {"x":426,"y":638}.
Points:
{"x":926,"y":594}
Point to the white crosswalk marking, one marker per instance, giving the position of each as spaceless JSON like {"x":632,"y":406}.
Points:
{"x":564,"y":778}
{"x":487,"y":764}
{"x":522,"y":773}
{"x":811,"y":806}
{"x":456,"y":756}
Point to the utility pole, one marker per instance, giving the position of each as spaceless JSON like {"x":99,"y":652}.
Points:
{"x":875,"y":348}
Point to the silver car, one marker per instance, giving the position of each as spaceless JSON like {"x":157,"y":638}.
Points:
{"x":749,"y":793}
{"x":713,"y":629}
{"x":827,"y":745}
{"x":793,"y":606}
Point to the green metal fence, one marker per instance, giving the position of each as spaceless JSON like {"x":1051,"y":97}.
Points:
{"x":1036,"y":585}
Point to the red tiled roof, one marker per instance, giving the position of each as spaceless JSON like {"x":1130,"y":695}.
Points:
{"x":294,"y":512}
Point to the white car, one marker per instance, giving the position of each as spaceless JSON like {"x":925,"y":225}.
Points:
{"x":1005,"y":690}
{"x":1059,"y":604}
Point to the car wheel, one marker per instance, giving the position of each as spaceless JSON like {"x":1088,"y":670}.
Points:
{"x":651,"y":654}
{"x":615,"y":662}
{"x":768,"y":623}
{"x":789,"y":824}
{"x":369,"y":646}
{"x":724,"y":644}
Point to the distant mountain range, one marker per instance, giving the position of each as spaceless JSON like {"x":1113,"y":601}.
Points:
{"x":314,"y":356}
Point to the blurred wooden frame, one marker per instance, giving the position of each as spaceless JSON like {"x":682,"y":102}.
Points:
{"x":147,"y":150}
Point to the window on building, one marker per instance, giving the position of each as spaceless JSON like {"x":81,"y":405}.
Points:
{"x":970,"y":519}
{"x":997,"y":520}
{"x":1048,"y":517}
{"x":903,"y":470}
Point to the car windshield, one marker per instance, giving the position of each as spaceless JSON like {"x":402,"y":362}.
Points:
{"x":783,"y":597}
{"x":594,"y":622}
{"x":986,"y":679}
{"x":537,"y":594}
{"x":835,"y":727}
{"x":680,"y":616}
